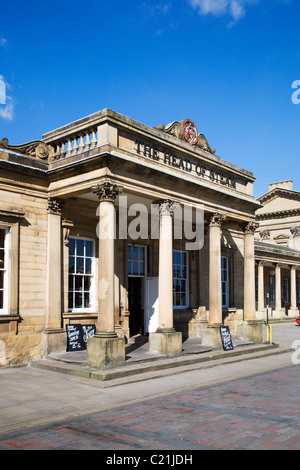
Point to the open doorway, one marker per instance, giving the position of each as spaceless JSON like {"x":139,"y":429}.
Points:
{"x":136,"y":318}
{"x":137,"y":257}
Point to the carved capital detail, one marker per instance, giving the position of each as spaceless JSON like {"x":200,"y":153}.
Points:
{"x":250,"y":228}
{"x":295,"y":231}
{"x":217,"y":219}
{"x":166,"y":206}
{"x":107,"y":191}
{"x":264,"y":234}
{"x":54,"y":206}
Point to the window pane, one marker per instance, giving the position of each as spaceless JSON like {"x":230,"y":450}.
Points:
{"x":78,"y":300}
{"x":79,"y":265}
{"x":72,"y":246}
{"x":130,"y":267}
{"x":2,"y":258}
{"x":135,"y":253}
{"x":71,"y":264}
{"x":135,"y":267}
{"x":80,"y":248}
{"x":70,"y":300}
{"x":142,"y":268}
{"x":88,"y":248}
{"x":2,"y":237}
{"x":87,"y":283}
{"x":78,"y":283}
{"x":86,"y":300}
{"x":88,"y":266}
{"x":1,"y":299}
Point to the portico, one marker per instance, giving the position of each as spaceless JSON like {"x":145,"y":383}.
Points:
{"x":148,"y":233}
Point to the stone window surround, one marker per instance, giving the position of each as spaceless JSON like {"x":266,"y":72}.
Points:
{"x":93,"y":279}
{"x":10,"y":220}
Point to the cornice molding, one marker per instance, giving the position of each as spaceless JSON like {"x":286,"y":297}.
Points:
{"x":278,"y":214}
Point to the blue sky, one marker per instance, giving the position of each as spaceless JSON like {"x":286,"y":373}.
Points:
{"x":228,"y":65}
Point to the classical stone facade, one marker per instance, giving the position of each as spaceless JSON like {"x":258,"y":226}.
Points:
{"x":277,"y":253}
{"x":96,"y":227}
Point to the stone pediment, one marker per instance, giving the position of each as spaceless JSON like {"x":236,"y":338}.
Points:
{"x":279,"y":200}
{"x":35,"y":149}
{"x":187,"y":131}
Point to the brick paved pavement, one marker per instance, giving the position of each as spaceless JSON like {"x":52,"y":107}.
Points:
{"x":257,"y":412}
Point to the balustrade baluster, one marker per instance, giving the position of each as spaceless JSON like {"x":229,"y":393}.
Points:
{"x":81,"y":144}
{"x":69,"y":152}
{"x":94,"y":140}
{"x":63,"y":150}
{"x":75,"y":147}
{"x":87,"y":141}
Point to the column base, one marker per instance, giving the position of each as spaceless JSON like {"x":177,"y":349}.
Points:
{"x":293,"y":313}
{"x":105,"y":351}
{"x":166,"y":341}
{"x":54,"y":340}
{"x":210,"y":335}
{"x":251,"y":330}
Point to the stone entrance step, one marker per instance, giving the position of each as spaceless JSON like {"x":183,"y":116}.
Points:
{"x":138,"y":370}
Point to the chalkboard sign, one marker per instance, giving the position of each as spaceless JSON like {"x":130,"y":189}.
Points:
{"x":77,"y":336}
{"x":226,"y":338}
{"x":74,"y":338}
{"x":88,"y":331}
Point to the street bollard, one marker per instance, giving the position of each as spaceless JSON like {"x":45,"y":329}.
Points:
{"x":269,"y":333}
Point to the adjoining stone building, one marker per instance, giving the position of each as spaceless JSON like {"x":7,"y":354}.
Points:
{"x":277,"y":252}
{"x":58,"y":268}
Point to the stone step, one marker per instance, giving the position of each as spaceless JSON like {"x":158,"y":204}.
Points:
{"x":132,"y":372}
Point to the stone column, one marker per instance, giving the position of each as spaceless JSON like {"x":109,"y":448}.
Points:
{"x":261,"y":290}
{"x":166,"y":340}
{"x":54,"y":340}
{"x":249,"y":273}
{"x":293,"y":288}
{"x":215,"y":287}
{"x":277,"y":287}
{"x":105,"y":350}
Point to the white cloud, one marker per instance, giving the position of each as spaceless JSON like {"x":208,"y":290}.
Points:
{"x":7,"y":111}
{"x":234,"y":8}
{"x":3,"y":41}
{"x":6,"y":102}
{"x":151,"y":9}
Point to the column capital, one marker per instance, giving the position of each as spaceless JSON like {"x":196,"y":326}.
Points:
{"x":107,"y":191}
{"x":217,"y":219}
{"x":261,"y":262}
{"x":54,"y":206}
{"x":166,"y":206}
{"x":250,"y":228}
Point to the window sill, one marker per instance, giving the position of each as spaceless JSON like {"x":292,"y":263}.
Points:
{"x":80,"y":313}
{"x":7,"y":317}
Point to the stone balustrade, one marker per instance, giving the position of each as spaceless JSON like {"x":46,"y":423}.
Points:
{"x":73,"y":144}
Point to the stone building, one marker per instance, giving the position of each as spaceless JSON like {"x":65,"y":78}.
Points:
{"x":277,"y":252}
{"x":137,"y":230}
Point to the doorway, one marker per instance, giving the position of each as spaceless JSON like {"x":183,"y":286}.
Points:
{"x":136,"y":318}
